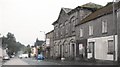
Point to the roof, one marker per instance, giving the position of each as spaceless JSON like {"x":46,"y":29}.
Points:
{"x":50,"y":32}
{"x":67,"y":10}
{"x":100,"y":12}
{"x":92,"y":5}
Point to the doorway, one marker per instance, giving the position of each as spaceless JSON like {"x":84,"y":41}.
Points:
{"x":91,"y":48}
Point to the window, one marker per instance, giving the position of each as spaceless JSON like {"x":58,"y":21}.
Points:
{"x":110,"y":47}
{"x":81,"y":32}
{"x":66,"y":47}
{"x":61,"y":32}
{"x":80,"y":48}
{"x":66,"y":26}
{"x":90,"y":30}
{"x":73,"y":22}
{"x":104,"y":26}
{"x":81,"y":14}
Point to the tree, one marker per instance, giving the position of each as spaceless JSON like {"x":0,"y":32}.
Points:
{"x":10,"y":42}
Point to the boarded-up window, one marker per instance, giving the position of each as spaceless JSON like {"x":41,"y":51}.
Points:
{"x":110,"y":47}
{"x":90,"y":47}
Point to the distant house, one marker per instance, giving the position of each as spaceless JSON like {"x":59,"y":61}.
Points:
{"x":49,"y":44}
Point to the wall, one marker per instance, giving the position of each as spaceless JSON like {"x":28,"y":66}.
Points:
{"x":97,"y":28}
{"x":101,"y":47}
{"x":118,"y":32}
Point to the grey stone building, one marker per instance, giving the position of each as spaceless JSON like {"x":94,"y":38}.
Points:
{"x":64,"y":31}
{"x":96,"y":35}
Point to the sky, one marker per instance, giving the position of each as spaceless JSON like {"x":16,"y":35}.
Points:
{"x":26,"y":18}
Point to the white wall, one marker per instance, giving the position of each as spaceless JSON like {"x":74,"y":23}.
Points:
{"x":101,"y":47}
{"x":0,"y":51}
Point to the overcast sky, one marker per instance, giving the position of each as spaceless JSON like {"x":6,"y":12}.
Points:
{"x":26,"y":18}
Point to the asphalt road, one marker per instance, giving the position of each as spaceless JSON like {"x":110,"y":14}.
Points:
{"x":32,"y":61}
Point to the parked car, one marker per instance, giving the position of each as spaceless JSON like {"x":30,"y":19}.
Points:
{"x":12,"y":56}
{"x":23,"y":56}
{"x":40,"y":57}
{"x":6,"y":57}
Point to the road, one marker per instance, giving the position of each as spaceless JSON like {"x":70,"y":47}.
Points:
{"x":28,"y":61}
{"x":31,"y":62}
{"x":15,"y":61}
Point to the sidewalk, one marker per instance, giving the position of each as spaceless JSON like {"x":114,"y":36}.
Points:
{"x":97,"y":62}
{"x":0,"y":61}
{"x":15,"y":61}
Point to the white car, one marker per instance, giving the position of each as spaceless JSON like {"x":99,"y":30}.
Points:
{"x":23,"y":56}
{"x":6,"y":57}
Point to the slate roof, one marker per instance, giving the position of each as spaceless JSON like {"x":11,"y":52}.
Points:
{"x":92,"y":5}
{"x":100,"y":12}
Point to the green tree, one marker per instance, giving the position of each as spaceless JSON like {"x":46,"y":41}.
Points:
{"x":10,"y":42}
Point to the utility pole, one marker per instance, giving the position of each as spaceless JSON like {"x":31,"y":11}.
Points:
{"x":114,"y":21}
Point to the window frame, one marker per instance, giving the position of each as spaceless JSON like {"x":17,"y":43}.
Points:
{"x":109,"y":46}
{"x":90,"y":30}
{"x":104,"y":26}
{"x":81,"y":32}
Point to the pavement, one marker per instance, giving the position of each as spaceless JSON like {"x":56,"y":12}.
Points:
{"x":15,"y":61}
{"x":0,"y":62}
{"x":97,"y":62}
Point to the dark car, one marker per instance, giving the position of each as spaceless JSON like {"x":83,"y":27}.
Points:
{"x":40,"y":57}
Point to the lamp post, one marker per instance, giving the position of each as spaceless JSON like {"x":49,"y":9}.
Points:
{"x":43,"y":51}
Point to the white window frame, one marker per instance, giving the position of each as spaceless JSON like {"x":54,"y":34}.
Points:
{"x":81,"y":32}
{"x":90,"y":29}
{"x":104,"y":26}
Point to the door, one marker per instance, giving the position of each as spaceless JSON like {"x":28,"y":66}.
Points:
{"x":60,"y":51}
{"x":91,"y":51}
{"x":73,"y":50}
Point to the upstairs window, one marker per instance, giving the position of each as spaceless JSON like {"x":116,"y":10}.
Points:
{"x":66,"y":27}
{"x":81,"y":32}
{"x":90,"y":30}
{"x":61,"y":32}
{"x":73,"y":22}
{"x":104,"y":26}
